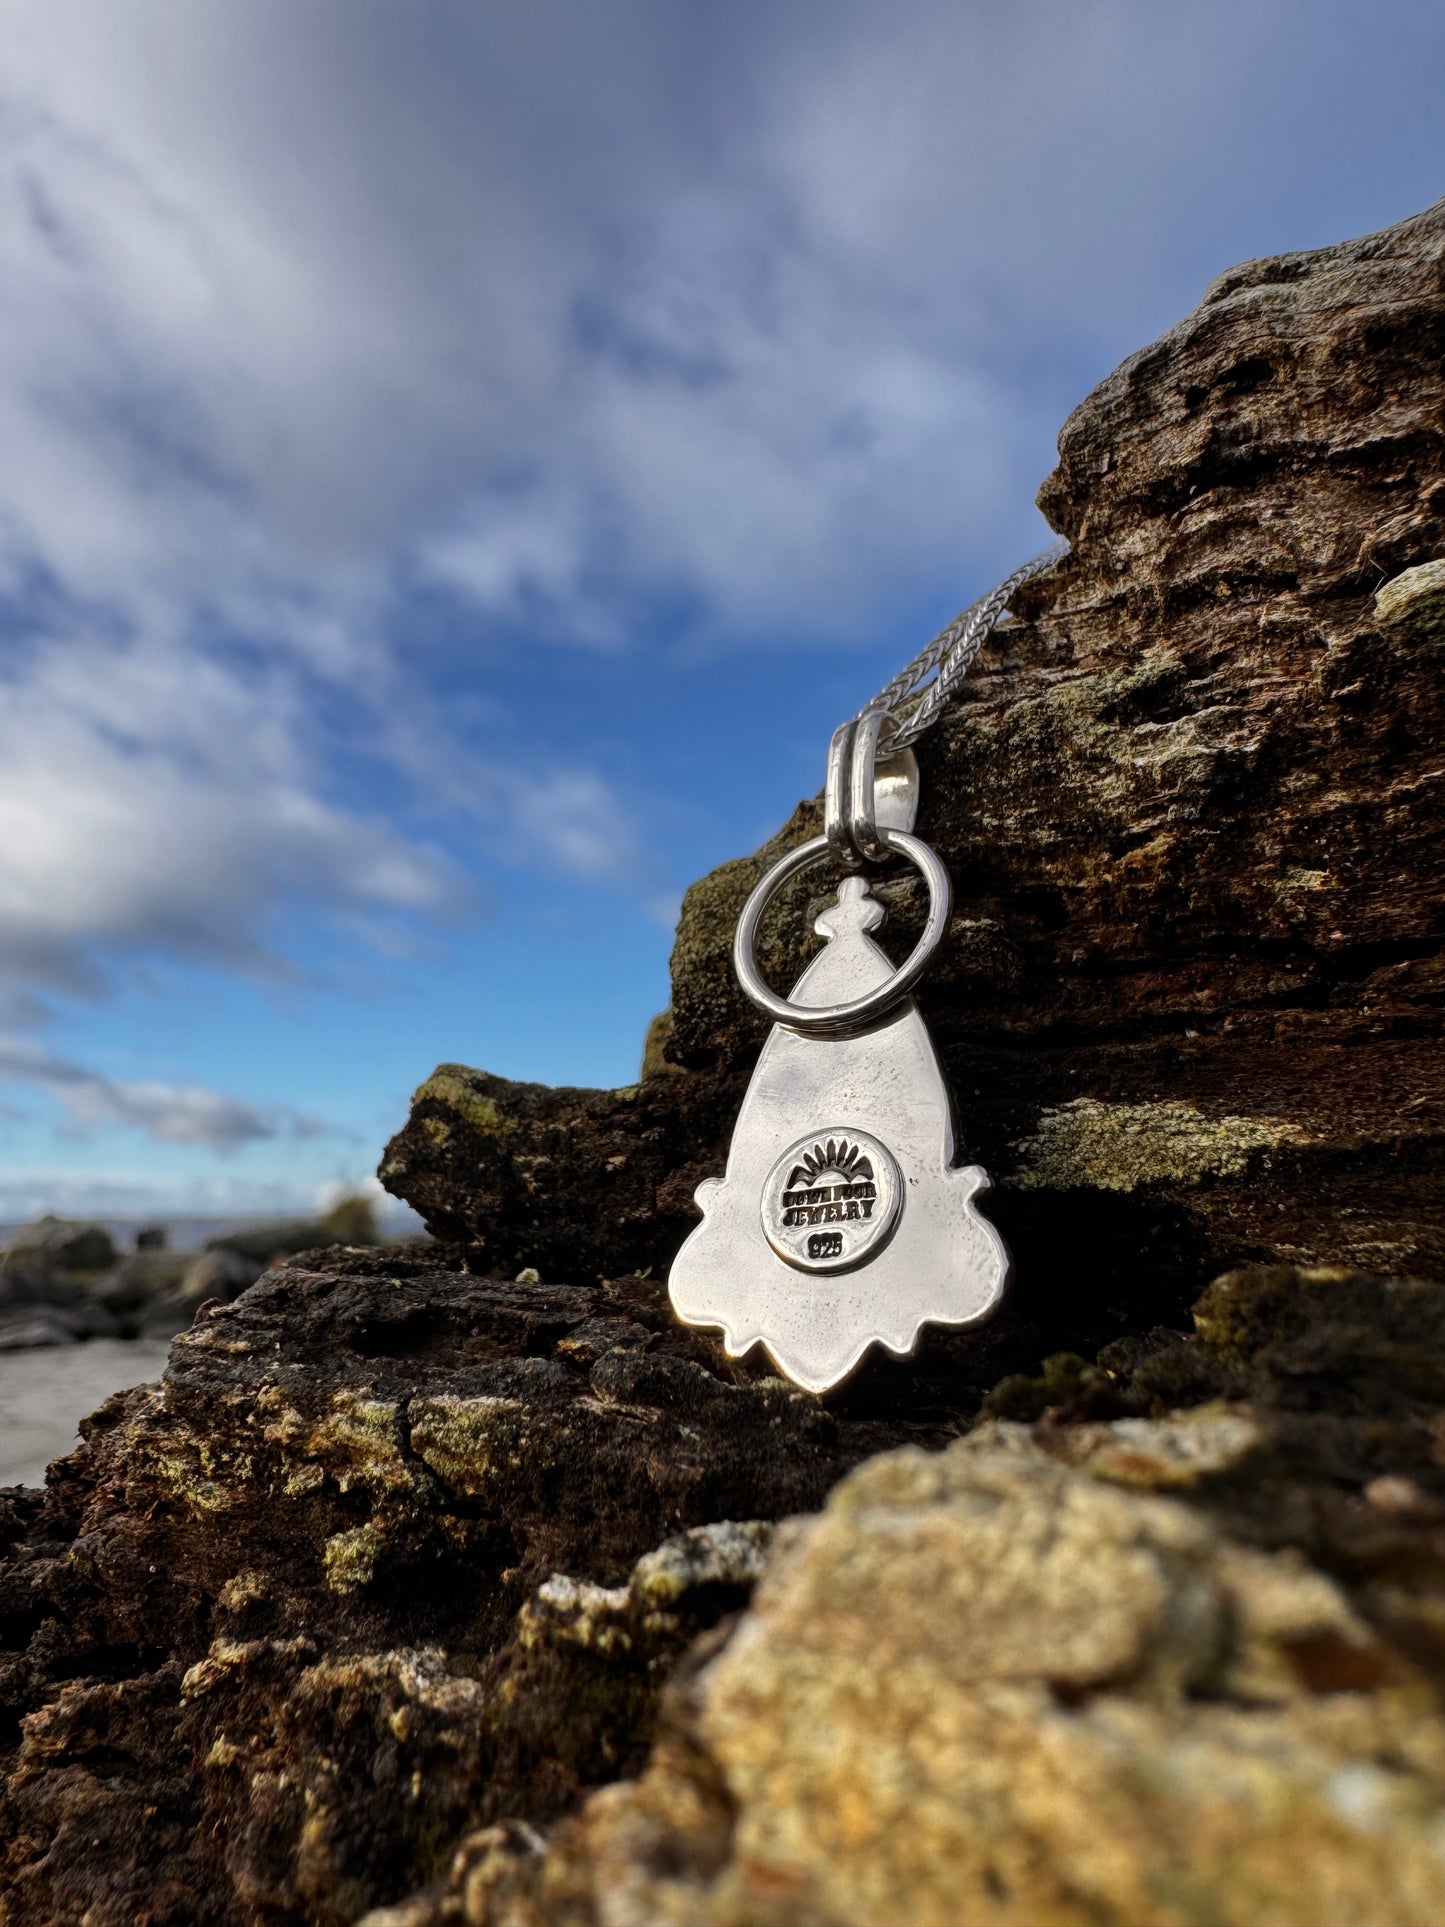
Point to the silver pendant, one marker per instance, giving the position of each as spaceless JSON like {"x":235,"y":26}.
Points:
{"x":842,"y":1222}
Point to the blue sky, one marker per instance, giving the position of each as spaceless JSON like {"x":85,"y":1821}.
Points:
{"x":461,"y":461}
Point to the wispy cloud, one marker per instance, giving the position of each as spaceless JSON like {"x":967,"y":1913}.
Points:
{"x":166,"y":1113}
{"x":541,"y":317}
{"x":153,"y":801}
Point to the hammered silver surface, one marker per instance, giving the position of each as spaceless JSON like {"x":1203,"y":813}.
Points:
{"x":943,"y":1264}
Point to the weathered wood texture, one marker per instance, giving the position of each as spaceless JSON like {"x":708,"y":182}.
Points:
{"x":1191,"y":997}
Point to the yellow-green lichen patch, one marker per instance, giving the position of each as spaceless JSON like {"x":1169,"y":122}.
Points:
{"x":350,"y":1557}
{"x":359,"y":1444}
{"x":1413,"y":603}
{"x":1295,"y":879}
{"x":229,"y":1657}
{"x":192,"y":1467}
{"x":462,"y":1439}
{"x":654,"y":1046}
{"x":1116,"y":1147}
{"x":731,"y":1552}
{"x":574,"y":1612}
{"x":400,"y":1688}
{"x":451,"y":1086}
{"x":243,"y":1589}
{"x":1261,"y":1304}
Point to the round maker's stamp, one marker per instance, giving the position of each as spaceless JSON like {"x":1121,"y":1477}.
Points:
{"x":831,"y":1200}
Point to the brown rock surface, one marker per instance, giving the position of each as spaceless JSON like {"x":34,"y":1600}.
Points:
{"x":356,"y":1575}
{"x":984,"y":1687}
{"x":399,"y":1558}
{"x":1191,"y":999}
{"x":1133,"y":1663}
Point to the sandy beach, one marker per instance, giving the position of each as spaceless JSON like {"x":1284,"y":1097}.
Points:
{"x":45,"y":1393}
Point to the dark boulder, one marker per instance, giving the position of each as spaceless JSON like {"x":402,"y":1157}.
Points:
{"x":62,"y":1244}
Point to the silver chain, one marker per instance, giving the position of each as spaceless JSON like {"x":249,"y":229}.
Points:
{"x":911,"y":701}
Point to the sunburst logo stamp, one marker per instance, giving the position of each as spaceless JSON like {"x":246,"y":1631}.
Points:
{"x":831,"y":1200}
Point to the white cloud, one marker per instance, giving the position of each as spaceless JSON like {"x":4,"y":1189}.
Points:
{"x":168,"y":1113}
{"x":551,"y":310}
{"x":570,"y":300}
{"x":154,"y":802}
{"x":277,"y":321}
{"x":575,"y":823}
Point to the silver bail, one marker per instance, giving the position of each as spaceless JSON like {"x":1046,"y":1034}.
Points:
{"x":865,"y":793}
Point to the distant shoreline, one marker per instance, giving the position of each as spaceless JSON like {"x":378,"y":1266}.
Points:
{"x":187,"y":1233}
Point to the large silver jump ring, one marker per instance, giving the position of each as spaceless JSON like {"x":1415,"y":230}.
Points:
{"x":834,"y":1020}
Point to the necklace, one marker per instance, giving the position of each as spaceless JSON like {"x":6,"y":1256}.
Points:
{"x":842,"y":1222}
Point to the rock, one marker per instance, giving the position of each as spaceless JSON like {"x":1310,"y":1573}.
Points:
{"x":398,"y":1561}
{"x":1191,"y":998}
{"x":1133,"y":1663}
{"x":218,"y":1272}
{"x":1412,"y":604}
{"x":151,"y":1237}
{"x":140,"y":1277}
{"x":34,"y":1302}
{"x":35,"y":1283}
{"x":29,"y":1326}
{"x":61,"y":1244}
{"x":278,"y":1238}
{"x":990,"y":1687}
{"x":393,"y":1550}
{"x":498,"y":1165}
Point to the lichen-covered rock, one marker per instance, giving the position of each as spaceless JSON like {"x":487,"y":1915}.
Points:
{"x":393,"y":1549}
{"x":1192,"y":803}
{"x":399,"y":1557}
{"x":994,"y":1687}
{"x":1133,"y":1662}
{"x":536,"y":1177}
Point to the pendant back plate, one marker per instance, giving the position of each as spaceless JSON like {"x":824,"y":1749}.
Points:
{"x":841,"y":1222}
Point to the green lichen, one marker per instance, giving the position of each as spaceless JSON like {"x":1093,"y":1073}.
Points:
{"x":462,"y":1439}
{"x":359,"y":1444}
{"x":451,"y":1085}
{"x":196,"y":1469}
{"x":731,"y":1552}
{"x":573,"y":1612}
{"x":1258,"y":1305}
{"x":350,"y":1558}
{"x":1117,"y":1147}
{"x":1025,"y":1397}
{"x":654,"y":1046}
